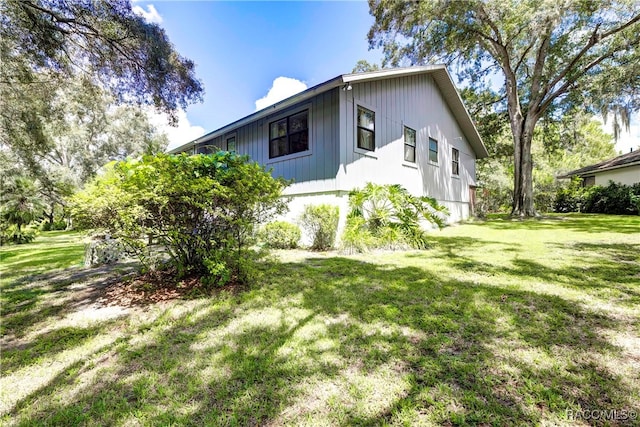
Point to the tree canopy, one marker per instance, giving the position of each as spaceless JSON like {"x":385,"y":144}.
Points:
{"x":553,"y":57}
{"x":104,"y":39}
{"x":76,"y":80}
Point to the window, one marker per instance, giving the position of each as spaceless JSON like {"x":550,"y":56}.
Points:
{"x":205,"y":149}
{"x":455,"y":161}
{"x":409,"y":145}
{"x":589,"y":181}
{"x":366,"y":129}
{"x":231,"y":144}
{"x":433,"y":150}
{"x":289,"y":135}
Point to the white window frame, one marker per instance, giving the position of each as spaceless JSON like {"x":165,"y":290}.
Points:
{"x":376,"y":128}
{"x":405,"y":124}
{"x":286,"y":113}
{"x":431,"y":162}
{"x":455,"y":175}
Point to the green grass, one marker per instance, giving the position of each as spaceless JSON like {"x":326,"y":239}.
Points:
{"x":499,"y":323}
{"x":51,"y":250}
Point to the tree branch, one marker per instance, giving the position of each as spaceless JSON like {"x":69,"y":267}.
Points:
{"x":536,"y":95}
{"x":563,"y":89}
{"x":593,"y":40}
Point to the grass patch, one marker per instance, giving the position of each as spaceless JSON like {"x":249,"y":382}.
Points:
{"x":50,"y":251}
{"x":500,"y":323}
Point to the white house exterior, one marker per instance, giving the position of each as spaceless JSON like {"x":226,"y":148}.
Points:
{"x":624,"y":169}
{"x":404,"y":126}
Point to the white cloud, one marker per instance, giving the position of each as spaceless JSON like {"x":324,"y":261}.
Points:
{"x":149,"y":15}
{"x":178,"y":135}
{"x":282,"y":88}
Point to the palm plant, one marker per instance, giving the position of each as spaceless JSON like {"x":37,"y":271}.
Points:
{"x":390,"y":210}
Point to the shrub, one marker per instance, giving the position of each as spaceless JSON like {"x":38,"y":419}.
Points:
{"x":46,"y":225}
{"x":13,"y":234}
{"x":280,"y":235}
{"x":321,"y":223}
{"x":20,"y":204}
{"x":389,"y":217}
{"x":203,"y":209}
{"x":615,"y":198}
{"x":356,"y":237}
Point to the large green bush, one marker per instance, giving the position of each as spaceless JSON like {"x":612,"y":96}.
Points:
{"x":203,"y":209}
{"x":280,"y":235}
{"x":389,"y":217}
{"x":615,"y":198}
{"x":321,"y":223}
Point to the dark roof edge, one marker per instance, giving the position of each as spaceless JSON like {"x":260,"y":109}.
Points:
{"x":624,"y":160}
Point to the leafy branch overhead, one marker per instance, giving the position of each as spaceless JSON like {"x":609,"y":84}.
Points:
{"x":105,"y":39}
{"x":551,"y":57}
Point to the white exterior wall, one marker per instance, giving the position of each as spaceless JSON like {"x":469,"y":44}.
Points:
{"x":416,"y":102}
{"x":297,"y":204}
{"x":628,"y":176}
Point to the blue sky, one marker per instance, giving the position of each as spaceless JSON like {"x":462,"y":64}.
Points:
{"x":240,"y":48}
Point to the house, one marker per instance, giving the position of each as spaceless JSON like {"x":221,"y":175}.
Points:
{"x":624,"y":169}
{"x":403,"y":126}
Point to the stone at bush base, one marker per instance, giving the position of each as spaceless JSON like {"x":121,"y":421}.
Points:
{"x":102,"y":251}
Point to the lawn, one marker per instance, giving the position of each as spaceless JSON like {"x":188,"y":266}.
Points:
{"x":499,"y":323}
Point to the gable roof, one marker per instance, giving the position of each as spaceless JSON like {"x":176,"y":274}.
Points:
{"x":629,"y":159}
{"x":440,"y":75}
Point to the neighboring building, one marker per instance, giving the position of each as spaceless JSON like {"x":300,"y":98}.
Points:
{"x":624,"y":169}
{"x":404,"y":126}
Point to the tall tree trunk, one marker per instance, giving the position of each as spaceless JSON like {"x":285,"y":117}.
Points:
{"x":523,"y":205}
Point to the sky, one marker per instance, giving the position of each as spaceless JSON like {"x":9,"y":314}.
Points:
{"x":252,"y":54}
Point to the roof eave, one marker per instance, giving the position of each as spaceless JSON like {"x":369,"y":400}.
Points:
{"x":281,"y":105}
{"x":595,"y":171}
{"x":441,"y":77}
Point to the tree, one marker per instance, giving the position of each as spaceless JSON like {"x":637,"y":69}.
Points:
{"x":203,"y":209}
{"x":104,"y":39}
{"x":20,"y":201}
{"x":86,"y":130}
{"x":81,"y":131}
{"x":553,"y":57}
{"x":44,"y":44}
{"x":558,"y":146}
{"x":363,"y":66}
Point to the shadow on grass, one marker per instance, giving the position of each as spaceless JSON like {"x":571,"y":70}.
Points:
{"x":298,"y":348}
{"x":48,"y":344}
{"x":47,"y":297}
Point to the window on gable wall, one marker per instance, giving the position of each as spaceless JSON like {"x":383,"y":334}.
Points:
{"x":455,"y":161}
{"x":433,"y":150}
{"x":289,"y":135}
{"x":409,"y":145}
{"x":366,"y":129}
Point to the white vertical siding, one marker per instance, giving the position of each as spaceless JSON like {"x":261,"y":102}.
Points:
{"x":414,"y":101}
{"x":334,"y":165}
